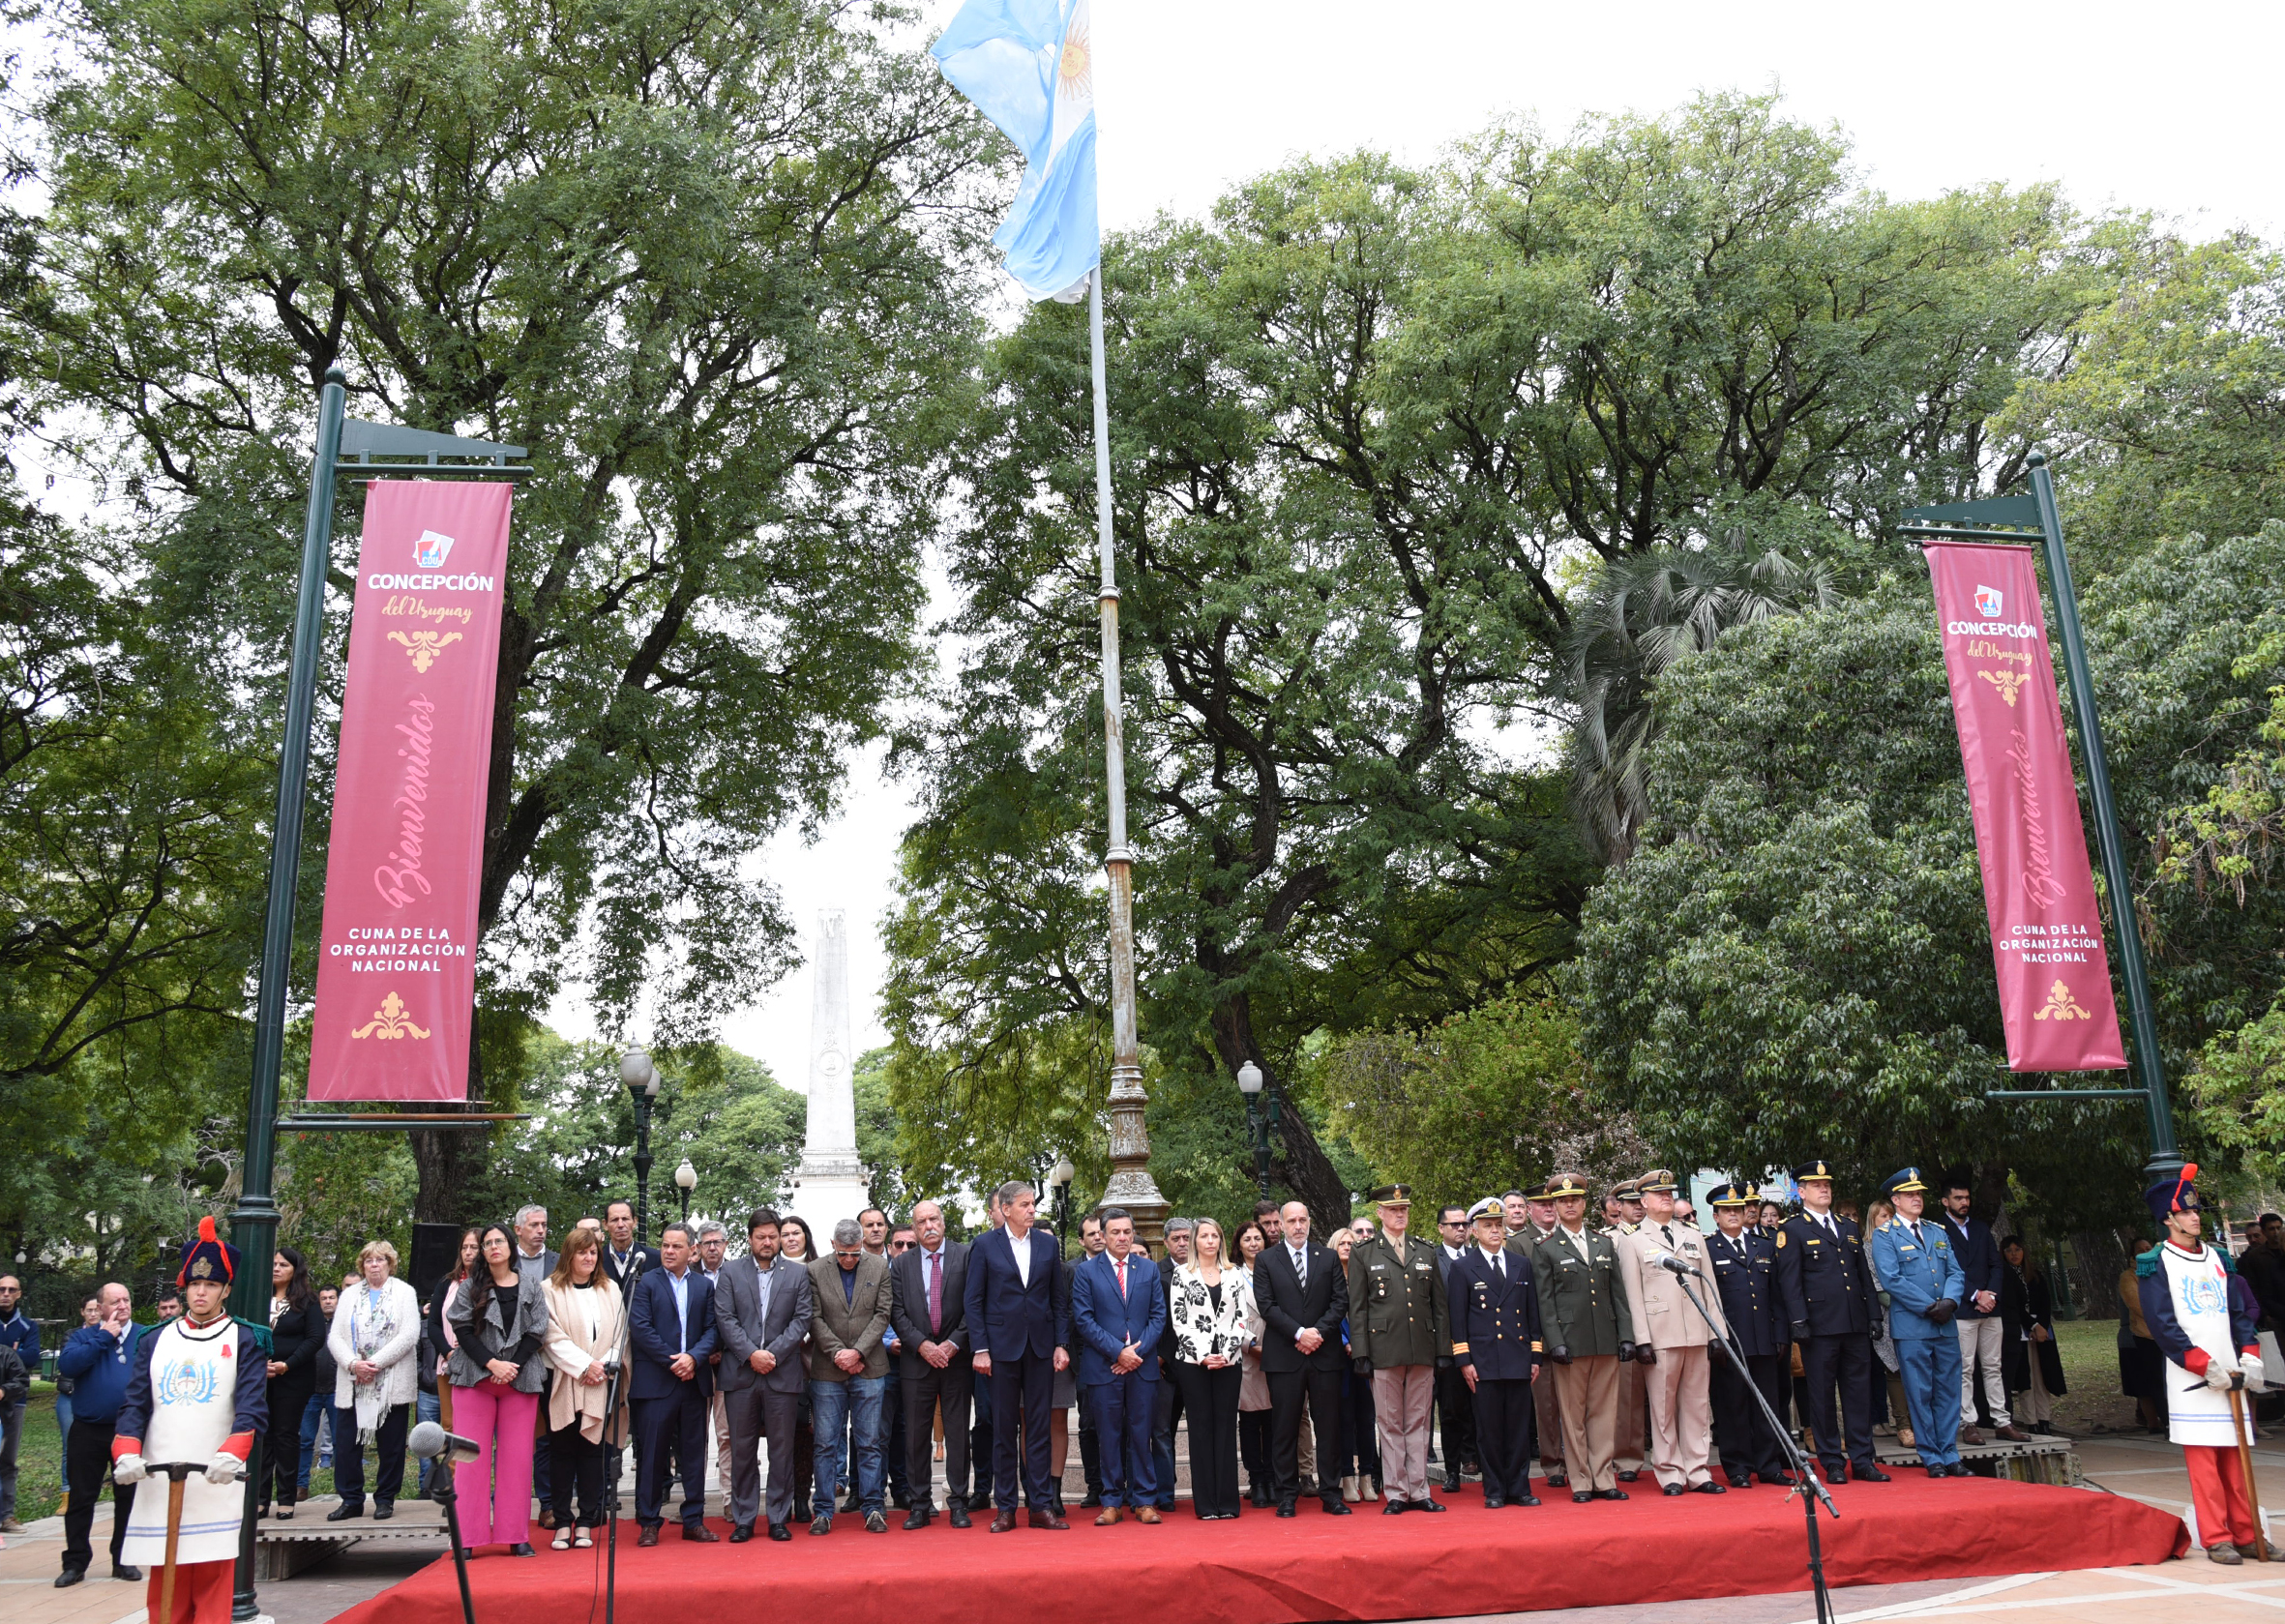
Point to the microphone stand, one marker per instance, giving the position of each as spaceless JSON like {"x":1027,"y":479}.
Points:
{"x":615,"y":1372}
{"x":1806,"y":1483}
{"x":442,"y":1492}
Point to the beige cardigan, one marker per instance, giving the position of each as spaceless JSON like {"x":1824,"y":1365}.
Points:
{"x":570,"y":1350}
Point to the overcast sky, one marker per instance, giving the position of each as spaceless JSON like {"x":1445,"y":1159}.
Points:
{"x":2118,"y":104}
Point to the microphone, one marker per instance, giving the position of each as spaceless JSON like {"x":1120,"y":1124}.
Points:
{"x":428,"y":1441}
{"x":1674,"y":1265}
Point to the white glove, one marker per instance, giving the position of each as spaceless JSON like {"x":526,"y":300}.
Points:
{"x":129,"y":1468}
{"x":223,"y":1469}
{"x":2257,"y":1378}
{"x":2222,"y":1374}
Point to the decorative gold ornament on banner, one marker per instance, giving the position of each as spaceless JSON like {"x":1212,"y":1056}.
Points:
{"x":2061,"y":1006}
{"x":390,"y":1021}
{"x":2008,"y":683}
{"x":426,"y":646}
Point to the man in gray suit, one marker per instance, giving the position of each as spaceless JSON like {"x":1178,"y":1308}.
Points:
{"x":762,"y":1303}
{"x":928,"y":1288}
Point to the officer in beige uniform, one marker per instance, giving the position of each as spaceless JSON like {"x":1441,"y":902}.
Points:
{"x":1589,"y":1334}
{"x":1398,"y":1329}
{"x":1622,"y":1208}
{"x":1671,"y":1335}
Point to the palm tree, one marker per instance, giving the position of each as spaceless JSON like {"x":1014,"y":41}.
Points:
{"x":1646,"y":611}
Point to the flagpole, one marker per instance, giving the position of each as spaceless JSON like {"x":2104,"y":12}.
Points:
{"x":1131,"y":1185}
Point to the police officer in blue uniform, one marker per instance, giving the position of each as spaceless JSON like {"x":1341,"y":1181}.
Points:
{"x":1744,"y":1264}
{"x":1826,"y":1291}
{"x":1915,"y":1263}
{"x":1495,"y":1341}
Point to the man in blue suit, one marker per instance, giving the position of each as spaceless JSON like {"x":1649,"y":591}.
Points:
{"x":1118,"y":1314}
{"x":1020,"y":1343}
{"x":671,"y":1323}
{"x":1915,"y":1264}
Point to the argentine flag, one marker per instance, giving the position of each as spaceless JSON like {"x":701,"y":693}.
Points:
{"x":1029,"y":65}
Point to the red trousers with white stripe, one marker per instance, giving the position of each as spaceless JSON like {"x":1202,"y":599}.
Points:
{"x":2217,"y":1489}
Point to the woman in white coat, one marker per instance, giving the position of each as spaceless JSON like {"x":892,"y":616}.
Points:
{"x":376,"y":1328}
{"x":585,"y":1319}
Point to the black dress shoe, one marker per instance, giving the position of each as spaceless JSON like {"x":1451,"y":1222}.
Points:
{"x":919,"y":1517}
{"x":779,"y":1531}
{"x":1335,"y":1508}
{"x":649,"y":1536}
{"x":69,"y":1578}
{"x":1580,"y":1496}
{"x":741,"y":1532}
{"x":1427,"y":1505}
{"x":1709,"y":1487}
{"x":1865,"y":1474}
{"x":1285,"y":1508}
{"x":1092,"y":1499}
{"x":344,"y":1511}
{"x":1393,"y":1508}
{"x":1777,"y":1479}
{"x":1670,"y":1489}
{"x":1741,"y":1483}
{"x":383,"y":1510}
{"x":1628,"y":1477}
{"x":1493,"y":1502}
{"x":1557,"y":1480}
{"x":1519,"y":1500}
{"x":1610,"y":1494}
{"x":127,"y":1571}
{"x":519,"y":1549}
{"x":980,"y":1500}
{"x":900,"y":1499}
{"x":958,"y":1516}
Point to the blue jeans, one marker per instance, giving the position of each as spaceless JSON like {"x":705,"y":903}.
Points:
{"x":425,"y":1407}
{"x":833,"y":1405}
{"x":320,"y":1406}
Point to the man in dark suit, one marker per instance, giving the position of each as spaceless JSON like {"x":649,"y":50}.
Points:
{"x":1744,"y":1263}
{"x":1496,"y":1341}
{"x":1825,"y":1285}
{"x":671,"y":1323}
{"x":762,"y":1305}
{"x":1019,"y":1346}
{"x":623,"y":1254}
{"x":930,"y":1284}
{"x":1303,"y":1298}
{"x":1118,"y":1316}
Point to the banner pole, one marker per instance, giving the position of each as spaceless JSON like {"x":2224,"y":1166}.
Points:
{"x":2148,"y":1066}
{"x":1131,"y":1185}
{"x":253,"y":1222}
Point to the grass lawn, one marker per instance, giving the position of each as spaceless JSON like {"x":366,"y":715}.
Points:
{"x":2089,"y":1349}
{"x":40,"y":1460}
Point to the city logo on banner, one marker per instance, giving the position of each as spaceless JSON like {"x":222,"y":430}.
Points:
{"x":432,"y":548}
{"x":1988,"y":599}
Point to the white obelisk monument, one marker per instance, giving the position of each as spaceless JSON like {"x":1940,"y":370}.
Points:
{"x":831,"y":1185}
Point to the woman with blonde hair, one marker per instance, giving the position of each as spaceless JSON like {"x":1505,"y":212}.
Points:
{"x":1212,"y":1318}
{"x":376,"y":1329}
{"x":584,"y":1318}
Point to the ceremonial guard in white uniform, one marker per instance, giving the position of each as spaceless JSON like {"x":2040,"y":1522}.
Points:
{"x":2201,"y":1316}
{"x":198,"y":1394}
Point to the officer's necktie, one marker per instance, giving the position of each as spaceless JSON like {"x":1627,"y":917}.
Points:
{"x":1666,"y":1229}
{"x":1301,"y":1267}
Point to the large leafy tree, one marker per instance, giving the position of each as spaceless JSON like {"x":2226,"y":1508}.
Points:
{"x":709,"y":261}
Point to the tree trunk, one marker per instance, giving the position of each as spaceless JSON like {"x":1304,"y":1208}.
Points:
{"x":444,"y":1158}
{"x":2096,"y":1258}
{"x":1296,"y":1159}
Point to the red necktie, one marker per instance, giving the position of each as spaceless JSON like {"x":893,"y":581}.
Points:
{"x":936,"y":1290}
{"x":1122,"y":1280}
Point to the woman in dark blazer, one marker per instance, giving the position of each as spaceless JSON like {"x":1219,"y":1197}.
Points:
{"x":2029,"y":1359}
{"x":297,"y":1331}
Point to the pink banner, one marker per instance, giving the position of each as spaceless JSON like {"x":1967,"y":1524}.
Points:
{"x":397,"y":955}
{"x":2055,"y":978}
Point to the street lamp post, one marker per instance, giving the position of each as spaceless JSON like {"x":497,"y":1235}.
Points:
{"x":686,"y":1180}
{"x":1262,"y":1118}
{"x":641,"y":1079}
{"x":1059,"y":1178}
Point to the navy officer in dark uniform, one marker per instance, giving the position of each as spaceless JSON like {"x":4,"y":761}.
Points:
{"x":1495,"y":1341}
{"x":1826,"y":1286}
{"x":1744,"y":1263}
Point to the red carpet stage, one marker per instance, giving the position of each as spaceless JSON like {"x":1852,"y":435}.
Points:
{"x":1261,"y":1570}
